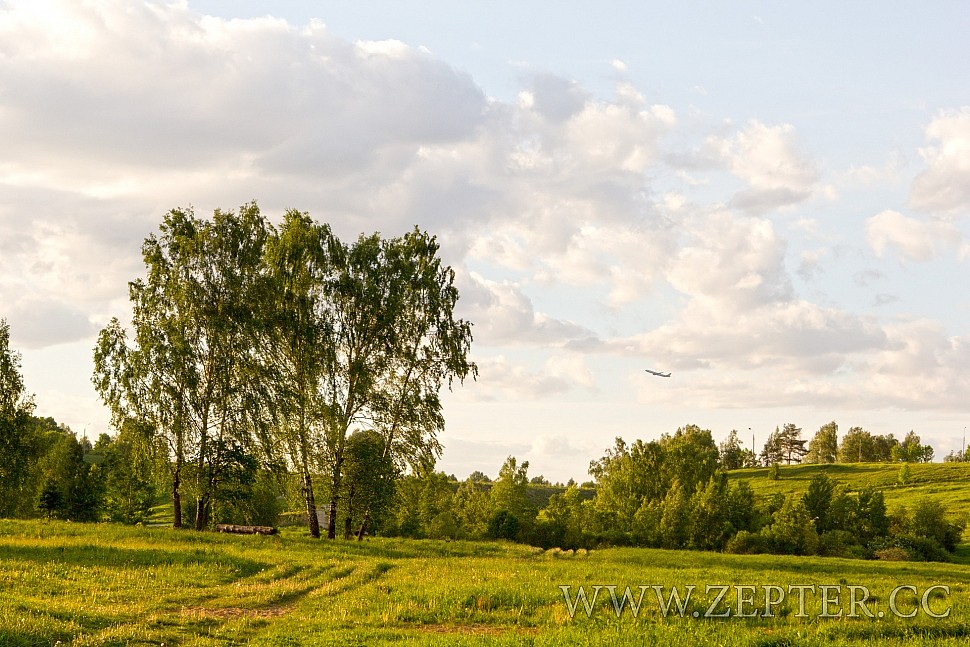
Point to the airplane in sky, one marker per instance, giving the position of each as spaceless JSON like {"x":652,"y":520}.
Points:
{"x":658,"y":374}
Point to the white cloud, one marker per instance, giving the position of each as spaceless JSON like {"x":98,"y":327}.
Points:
{"x":504,"y":315}
{"x":912,"y":239}
{"x":735,"y":261}
{"x":945,"y":185}
{"x":115,"y":111}
{"x":556,"y":98}
{"x":500,"y":378}
{"x":769,"y":160}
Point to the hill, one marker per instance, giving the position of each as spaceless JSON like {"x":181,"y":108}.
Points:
{"x":948,"y":482}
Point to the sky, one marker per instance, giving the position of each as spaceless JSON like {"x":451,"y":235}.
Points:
{"x":769,"y":200}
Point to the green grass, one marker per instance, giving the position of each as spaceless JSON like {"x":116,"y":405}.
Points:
{"x":103,"y":584}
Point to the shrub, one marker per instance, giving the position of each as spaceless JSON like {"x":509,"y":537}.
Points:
{"x":746,"y":543}
{"x":892,"y":554}
{"x":838,"y":543}
{"x":792,"y":532}
{"x":503,"y":525}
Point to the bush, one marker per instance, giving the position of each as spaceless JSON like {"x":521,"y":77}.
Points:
{"x":792,"y":531}
{"x":443,"y":526}
{"x":915,"y":548}
{"x":746,"y":543}
{"x":930,"y":521}
{"x":892,"y":554}
{"x":838,"y":543}
{"x":503,"y":525}
{"x":923,"y":549}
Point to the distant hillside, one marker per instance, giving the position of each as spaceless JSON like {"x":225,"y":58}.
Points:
{"x":539,"y":495}
{"x":948,"y":482}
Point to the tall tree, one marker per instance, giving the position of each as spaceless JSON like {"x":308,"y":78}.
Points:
{"x":860,"y":446}
{"x":188,"y":373}
{"x":911,"y":450}
{"x":430,"y":350}
{"x":824,"y":447}
{"x":510,"y":494}
{"x":626,"y":476}
{"x":772,"y":453}
{"x":18,"y":443}
{"x":296,"y":342}
{"x":129,"y":483}
{"x":393,"y":342}
{"x":690,"y":456}
{"x":370,"y":480}
{"x":818,"y":501}
{"x":791,"y":443}
{"x":731,"y":452}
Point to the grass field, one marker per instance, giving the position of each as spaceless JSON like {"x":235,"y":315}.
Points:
{"x":102,"y":584}
{"x":947,"y":482}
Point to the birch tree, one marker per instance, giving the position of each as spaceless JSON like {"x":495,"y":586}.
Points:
{"x":186,"y":373}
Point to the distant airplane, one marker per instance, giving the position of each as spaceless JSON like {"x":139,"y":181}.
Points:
{"x":657,"y":373}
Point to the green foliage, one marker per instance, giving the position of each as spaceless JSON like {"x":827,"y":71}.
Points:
{"x":51,"y":500}
{"x":19,"y":442}
{"x":79,"y":483}
{"x":784,"y":444}
{"x":840,"y":543}
{"x":472,"y":509}
{"x":257,"y":349}
{"x":791,"y":444}
{"x":792,"y":531}
{"x":911,"y":451}
{"x":930,"y":520}
{"x":418,"y":501}
{"x":818,"y":501}
{"x":369,"y":476}
{"x":860,"y":446}
{"x":747,"y":543}
{"x":630,"y":476}
{"x":690,"y":457}
{"x":824,"y":447}
{"x":771,"y":452}
{"x":503,"y":525}
{"x":872,"y":517}
{"x":904,"y":474}
{"x":564,"y":521}
{"x":675,"y":518}
{"x":510,"y":493}
{"x":731,"y":454}
{"x":710,"y":511}
{"x":130,"y":488}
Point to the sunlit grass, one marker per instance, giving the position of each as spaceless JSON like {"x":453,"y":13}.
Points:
{"x":112,"y":585}
{"x":950,"y":482}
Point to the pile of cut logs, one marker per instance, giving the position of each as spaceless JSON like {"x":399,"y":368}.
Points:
{"x":246,"y":530}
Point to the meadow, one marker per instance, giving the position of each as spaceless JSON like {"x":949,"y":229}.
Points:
{"x":105,"y":584}
{"x":947,"y":482}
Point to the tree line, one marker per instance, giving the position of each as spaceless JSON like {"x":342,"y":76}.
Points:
{"x":786,"y":445}
{"x":673,"y":493}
